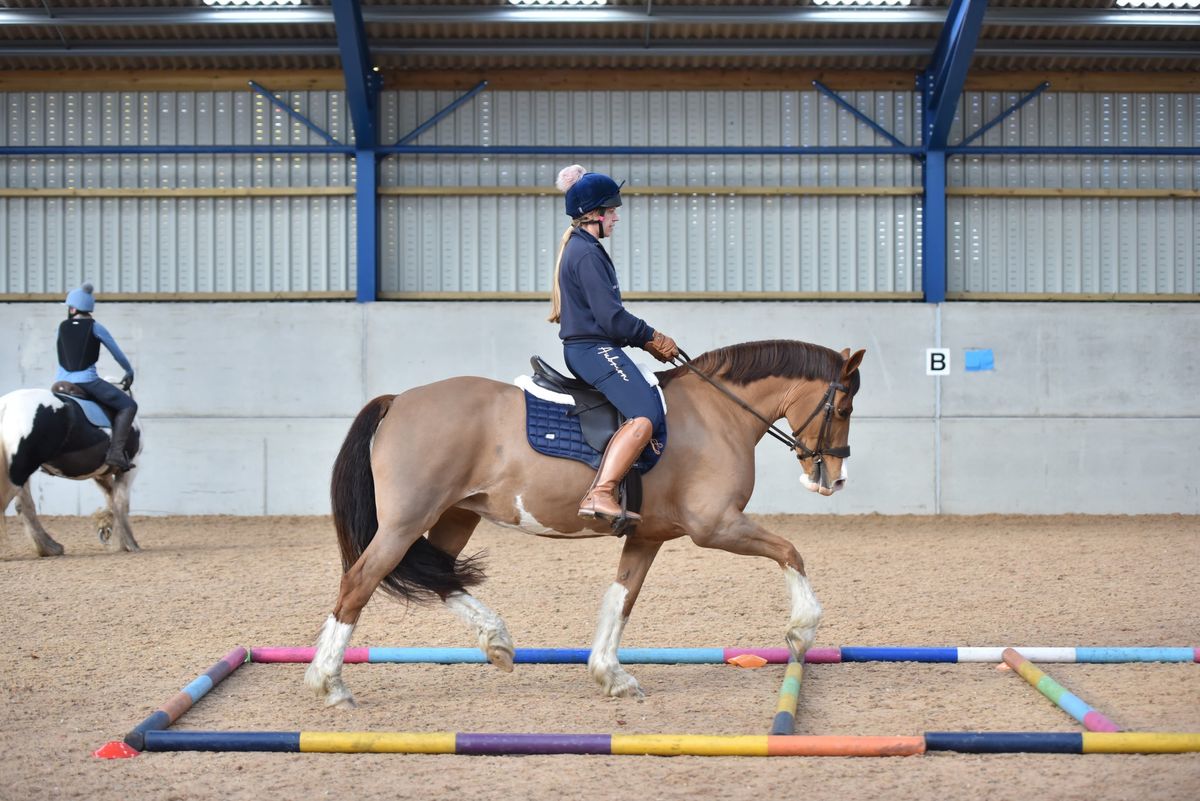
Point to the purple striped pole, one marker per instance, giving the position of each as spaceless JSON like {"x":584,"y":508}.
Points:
{"x":169,"y":712}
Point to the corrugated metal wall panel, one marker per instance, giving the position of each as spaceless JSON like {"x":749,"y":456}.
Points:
{"x":173,"y":244}
{"x":693,"y":241}
{"x":1118,"y":244}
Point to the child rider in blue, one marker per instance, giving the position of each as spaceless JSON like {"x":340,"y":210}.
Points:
{"x":79,"y":341}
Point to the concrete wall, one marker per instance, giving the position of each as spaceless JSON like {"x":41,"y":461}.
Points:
{"x":1091,"y":408}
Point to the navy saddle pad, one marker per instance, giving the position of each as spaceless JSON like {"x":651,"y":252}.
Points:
{"x":554,"y":431}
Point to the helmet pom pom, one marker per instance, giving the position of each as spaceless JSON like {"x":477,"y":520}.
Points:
{"x":568,"y":176}
{"x":88,"y":288}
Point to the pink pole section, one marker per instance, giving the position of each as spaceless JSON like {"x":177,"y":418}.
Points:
{"x":780,"y":656}
{"x":281,"y":654}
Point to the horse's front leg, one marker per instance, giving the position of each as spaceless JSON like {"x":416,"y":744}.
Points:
{"x":42,"y":541}
{"x":116,"y":515}
{"x":603,"y":664}
{"x":741,"y":535}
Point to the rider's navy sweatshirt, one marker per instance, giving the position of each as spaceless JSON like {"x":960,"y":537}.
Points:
{"x":590,"y":300}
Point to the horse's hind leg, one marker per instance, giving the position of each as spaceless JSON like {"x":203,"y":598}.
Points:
{"x":387,"y":548}
{"x":450,"y":534}
{"x":116,"y":515}
{"x":42,"y":541}
{"x":603,"y":665}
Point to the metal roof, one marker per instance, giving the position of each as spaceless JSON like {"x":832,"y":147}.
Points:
{"x":1026,"y":35}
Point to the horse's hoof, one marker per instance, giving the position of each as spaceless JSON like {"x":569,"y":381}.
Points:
{"x":341,"y":701}
{"x":501,"y":658}
{"x":630,"y":689}
{"x":800,"y":642}
{"x":53,"y":549}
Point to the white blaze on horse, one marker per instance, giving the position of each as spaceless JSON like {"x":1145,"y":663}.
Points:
{"x":418,"y":471}
{"x":42,"y":430}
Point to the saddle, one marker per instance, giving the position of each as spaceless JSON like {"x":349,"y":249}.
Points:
{"x":579,"y":426}
{"x":96,"y":414}
{"x":598,"y":419}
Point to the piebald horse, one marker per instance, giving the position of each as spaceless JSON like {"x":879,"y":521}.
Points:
{"x":418,"y":471}
{"x":38,"y":429}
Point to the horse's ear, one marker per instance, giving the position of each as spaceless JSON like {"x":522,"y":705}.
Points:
{"x":852,"y":362}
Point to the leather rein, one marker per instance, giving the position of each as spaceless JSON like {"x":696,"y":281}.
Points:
{"x":793,"y":442}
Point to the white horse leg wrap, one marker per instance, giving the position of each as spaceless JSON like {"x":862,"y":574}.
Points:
{"x":324,"y":674}
{"x":603,"y":663}
{"x":806,"y":611}
{"x":487,"y":626}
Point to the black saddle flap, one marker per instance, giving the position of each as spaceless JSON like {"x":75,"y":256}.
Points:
{"x":598,"y":418}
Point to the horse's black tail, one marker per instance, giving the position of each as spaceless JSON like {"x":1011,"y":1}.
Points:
{"x":425,"y":573}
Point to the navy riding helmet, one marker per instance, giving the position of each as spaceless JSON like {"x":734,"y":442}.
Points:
{"x":593,"y":190}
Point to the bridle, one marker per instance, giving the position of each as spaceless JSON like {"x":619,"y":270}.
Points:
{"x":802,"y":451}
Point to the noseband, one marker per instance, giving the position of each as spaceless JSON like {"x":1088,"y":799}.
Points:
{"x":802,"y":451}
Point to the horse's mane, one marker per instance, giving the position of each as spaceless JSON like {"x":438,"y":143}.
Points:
{"x":751,"y":361}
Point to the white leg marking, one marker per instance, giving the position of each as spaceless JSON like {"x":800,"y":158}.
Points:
{"x":603,"y":664}
{"x":805,"y":615}
{"x":324,"y":674}
{"x":489,"y":629}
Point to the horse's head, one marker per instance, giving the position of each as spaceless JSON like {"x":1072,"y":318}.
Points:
{"x":823,"y":434}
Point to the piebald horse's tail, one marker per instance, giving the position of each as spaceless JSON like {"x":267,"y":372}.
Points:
{"x":425,"y":573}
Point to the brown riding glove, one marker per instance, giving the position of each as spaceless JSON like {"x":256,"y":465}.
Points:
{"x":662,"y":347}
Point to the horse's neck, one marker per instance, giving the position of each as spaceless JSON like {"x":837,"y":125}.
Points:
{"x":714,"y":410}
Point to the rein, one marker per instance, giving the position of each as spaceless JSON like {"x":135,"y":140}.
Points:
{"x":793,"y":442}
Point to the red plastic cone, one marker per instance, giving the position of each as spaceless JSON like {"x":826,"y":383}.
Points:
{"x":115,"y":750}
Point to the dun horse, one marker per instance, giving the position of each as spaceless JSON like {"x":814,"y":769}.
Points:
{"x":418,"y":471}
{"x":39,"y":429}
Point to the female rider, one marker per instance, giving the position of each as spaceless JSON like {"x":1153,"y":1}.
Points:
{"x":595,"y":327}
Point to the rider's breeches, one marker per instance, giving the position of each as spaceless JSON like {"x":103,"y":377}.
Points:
{"x":609,"y":370}
{"x":109,"y":396}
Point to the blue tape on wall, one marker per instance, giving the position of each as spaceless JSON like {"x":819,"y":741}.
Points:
{"x":977,"y":361}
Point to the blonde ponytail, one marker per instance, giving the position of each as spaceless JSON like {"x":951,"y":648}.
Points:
{"x":555,"y":295}
{"x":567,"y":177}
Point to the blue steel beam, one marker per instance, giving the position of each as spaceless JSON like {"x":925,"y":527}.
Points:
{"x":1005,"y":114}
{"x":1070,"y":150}
{"x":170,"y":150}
{"x":436,"y":118}
{"x":362,"y":89}
{"x":291,"y":112}
{"x":366,"y":201}
{"x":933,"y":237}
{"x":941,"y":85}
{"x":841,"y":101}
{"x":602,"y":150}
{"x":948,"y":71}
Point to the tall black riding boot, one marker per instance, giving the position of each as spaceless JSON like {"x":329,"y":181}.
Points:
{"x":122,"y":423}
